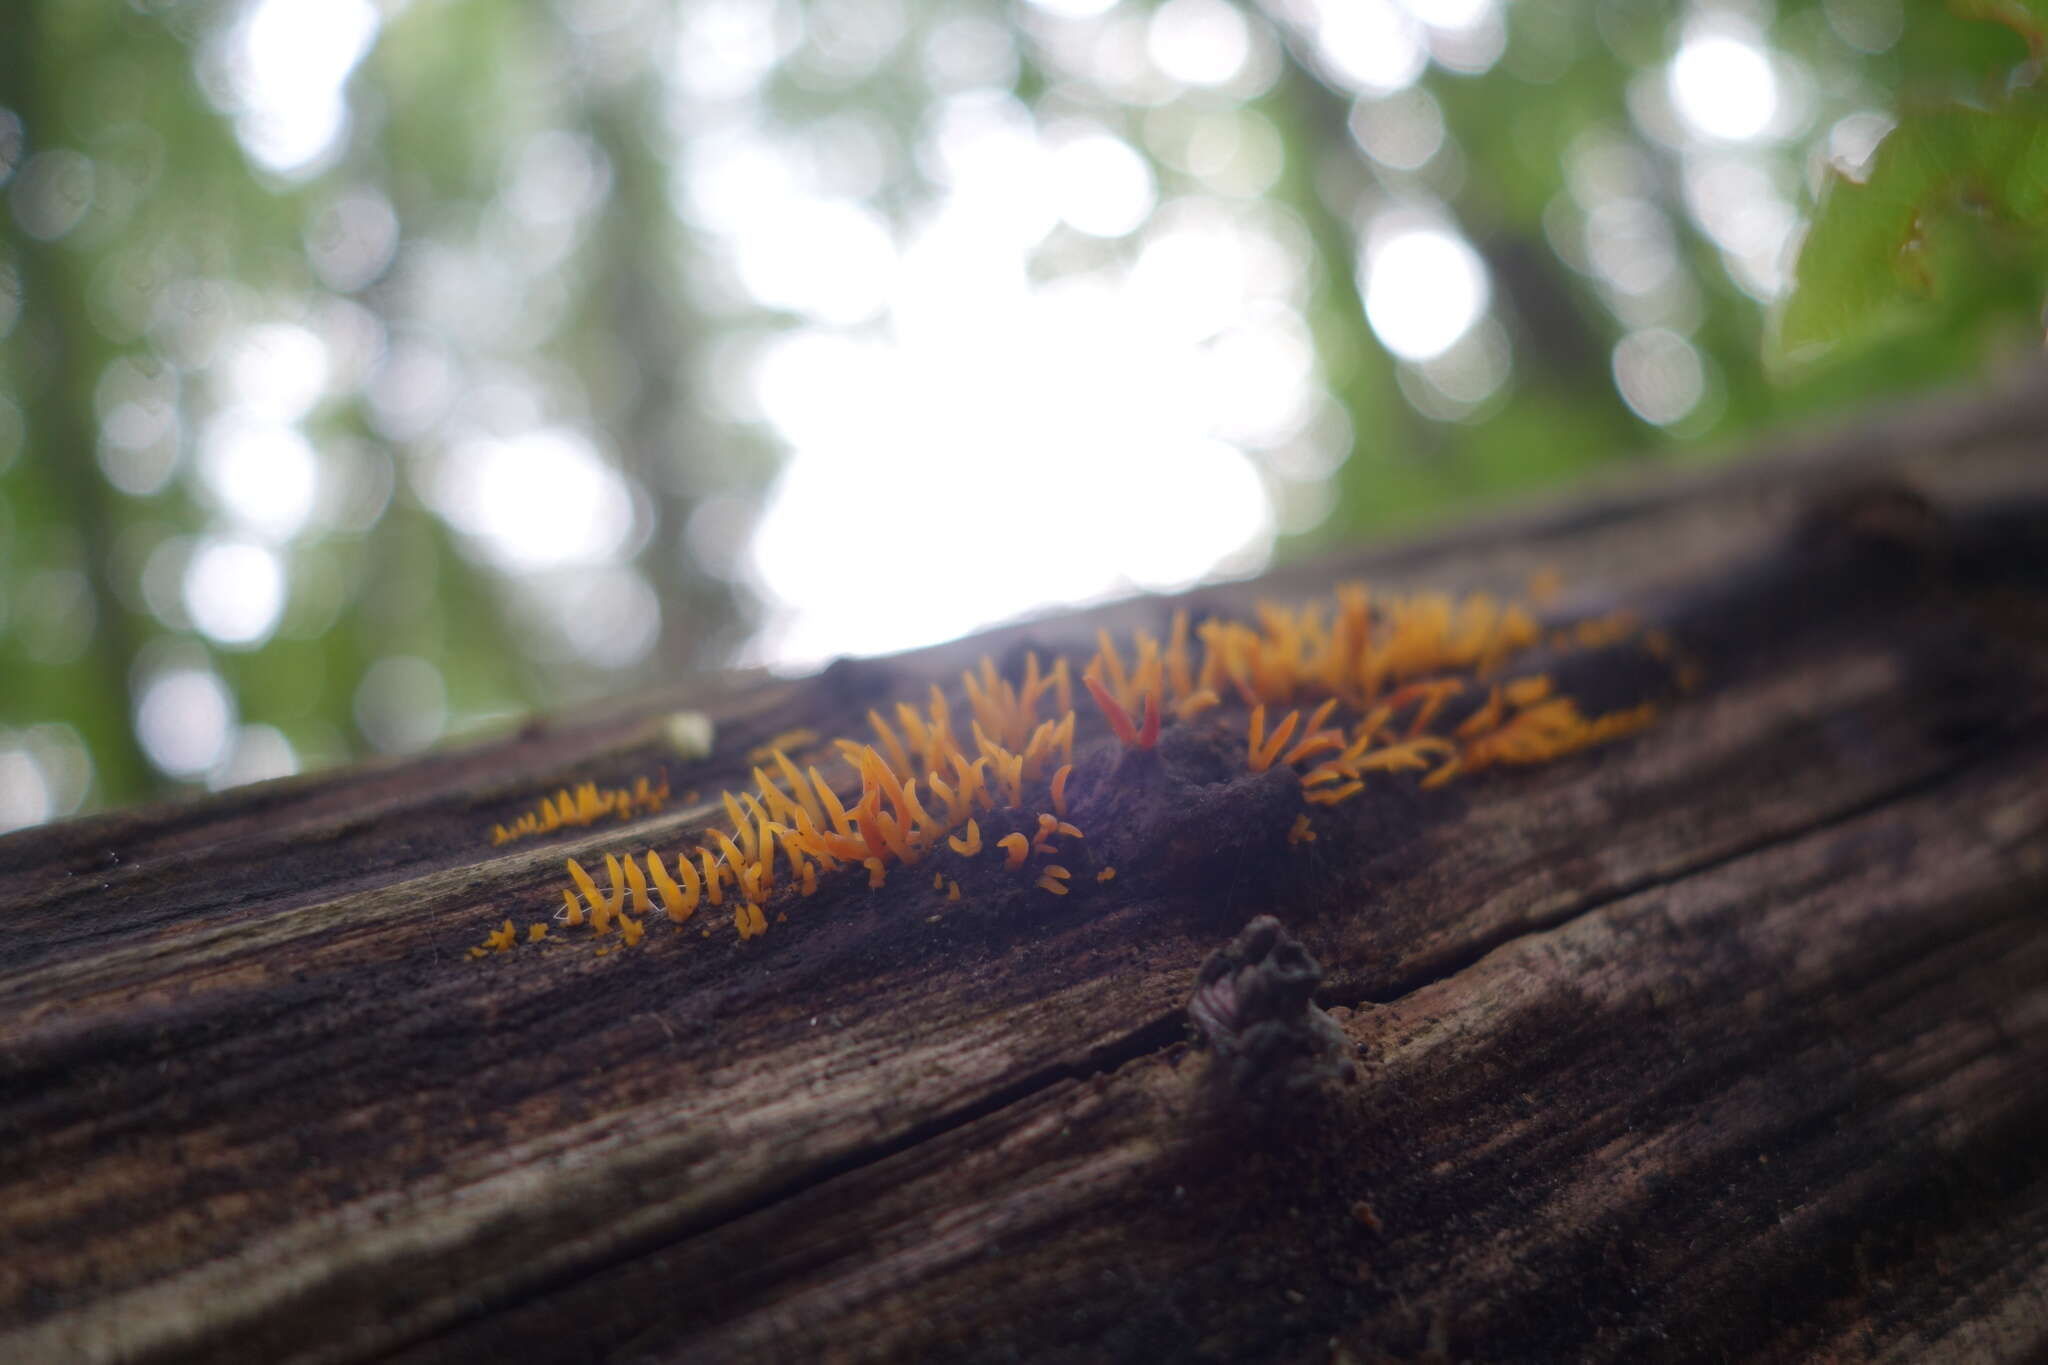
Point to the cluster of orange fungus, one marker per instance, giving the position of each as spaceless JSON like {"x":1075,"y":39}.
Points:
{"x":1367,"y":679}
{"x":1341,"y":693}
{"x":921,"y":786}
{"x":585,"y":805}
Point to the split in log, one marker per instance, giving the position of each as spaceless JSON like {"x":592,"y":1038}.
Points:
{"x":1725,"y":1040}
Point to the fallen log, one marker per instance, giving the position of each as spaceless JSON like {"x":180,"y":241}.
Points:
{"x":1722,"y":1040}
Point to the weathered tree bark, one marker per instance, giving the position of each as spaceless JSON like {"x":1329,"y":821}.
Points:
{"x":1726,"y":1041}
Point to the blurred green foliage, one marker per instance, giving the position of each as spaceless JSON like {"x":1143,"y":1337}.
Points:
{"x":246,"y":362}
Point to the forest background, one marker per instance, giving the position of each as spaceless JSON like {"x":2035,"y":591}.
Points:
{"x":379,"y":371}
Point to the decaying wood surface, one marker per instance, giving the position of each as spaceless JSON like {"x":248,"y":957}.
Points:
{"x":1728,"y":1041}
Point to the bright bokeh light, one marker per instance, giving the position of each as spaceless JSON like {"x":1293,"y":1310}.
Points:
{"x":401,"y":705}
{"x":1629,"y":244}
{"x":540,"y":500}
{"x":829,"y":260}
{"x":1402,"y":131}
{"x":1452,"y":14}
{"x":1722,"y":85}
{"x":984,"y":147}
{"x":1075,"y":9}
{"x":285,"y":66}
{"x":1099,"y":421}
{"x":602,"y":617}
{"x":234,"y":591}
{"x":24,"y":793}
{"x":1104,"y":188}
{"x":1739,"y":204}
{"x":259,"y":753}
{"x":1055,"y":438}
{"x":1456,"y":383}
{"x":1853,"y":141}
{"x":724,"y":48}
{"x":1425,"y":287}
{"x":1199,"y":42}
{"x":53,"y":193}
{"x":263,"y":475}
{"x":1371,"y":46}
{"x":276,"y":371}
{"x":136,"y":402}
{"x":184,"y":720}
{"x":1659,"y":374}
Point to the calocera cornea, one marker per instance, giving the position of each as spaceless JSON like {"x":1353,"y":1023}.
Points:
{"x":585,"y":804}
{"x":1342,"y":693}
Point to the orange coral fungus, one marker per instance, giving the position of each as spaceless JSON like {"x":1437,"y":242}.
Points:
{"x":1016,"y":849}
{"x":1360,"y":688}
{"x":1113,"y":710}
{"x":585,"y":805}
{"x":788,"y":739}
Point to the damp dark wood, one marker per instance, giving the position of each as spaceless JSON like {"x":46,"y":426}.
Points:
{"x":1723,"y":1042}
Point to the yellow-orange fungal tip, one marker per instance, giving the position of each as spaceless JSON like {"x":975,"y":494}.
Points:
{"x":1112,"y":710}
{"x":800,"y":788}
{"x":1261,"y":755}
{"x":898,"y":760}
{"x":1486,"y":717}
{"x":1059,"y":788}
{"x":1058,"y":888}
{"x":740,"y":824}
{"x":632,"y":929}
{"x":878,"y":873}
{"x":1301,"y":833}
{"x":479,"y":952}
{"x":637,"y":884}
{"x":788,"y":739}
{"x":969,"y":846}
{"x":1330,"y":796}
{"x":572,"y":908}
{"x":585,"y":884}
{"x":952,"y":890}
{"x":713,"y":877}
{"x":734,"y":857}
{"x":678,"y":904}
{"x":757,"y":919}
{"x":1041,"y":842}
{"x":1017,"y":847}
{"x":810,"y":880}
{"x":1107,"y":874}
{"x":938,"y":881}
{"x":1320,"y":742}
{"x":1055,"y":870}
{"x":1148,"y":732}
{"x":536,"y":932}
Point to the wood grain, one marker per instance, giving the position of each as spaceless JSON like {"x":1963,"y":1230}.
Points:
{"x":1723,"y":1041}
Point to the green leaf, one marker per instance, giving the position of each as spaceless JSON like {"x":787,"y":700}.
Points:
{"x":2028,"y":18}
{"x":1956,"y":198}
